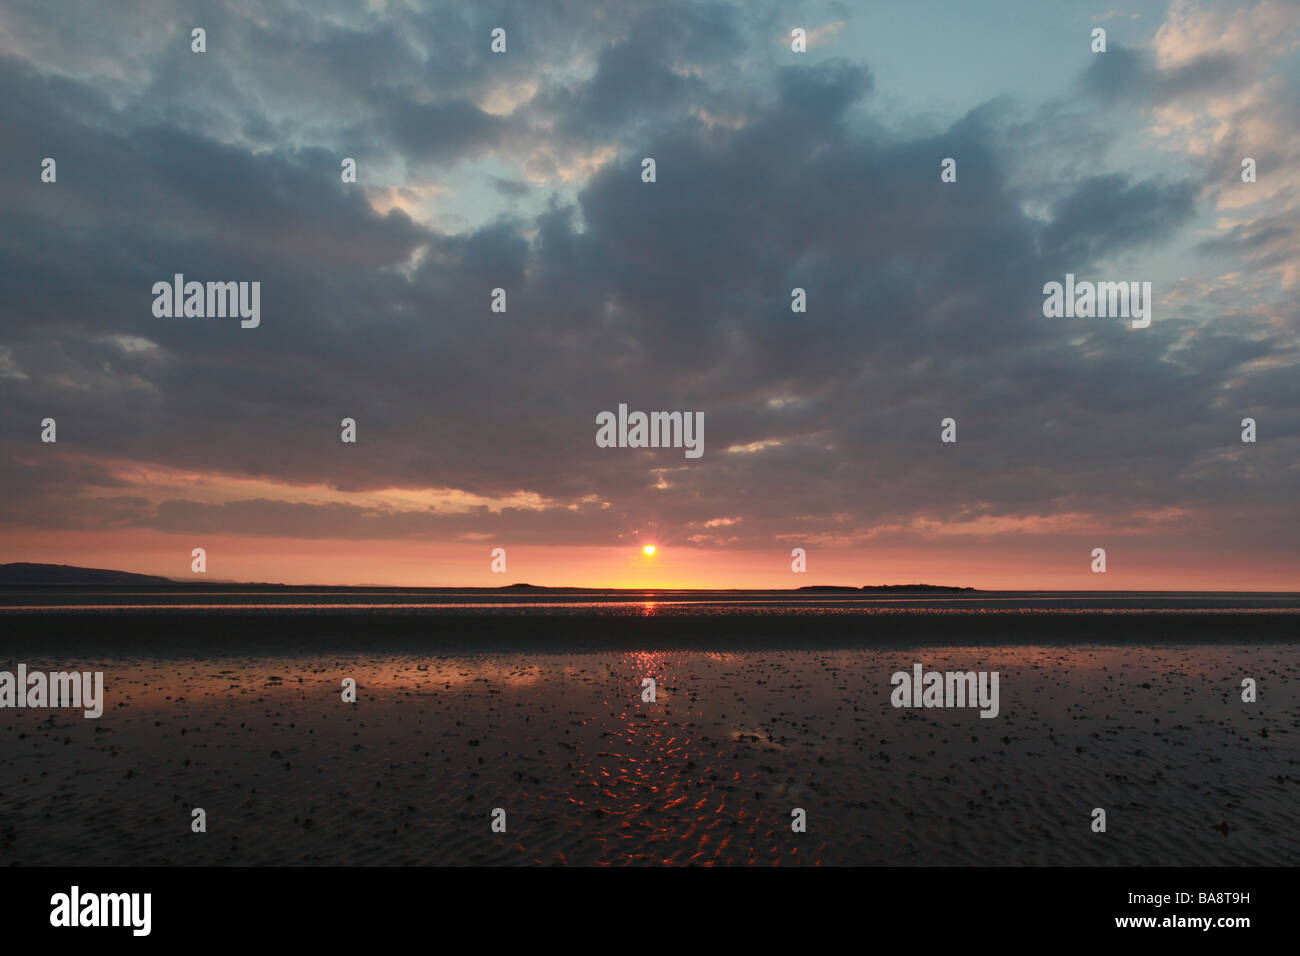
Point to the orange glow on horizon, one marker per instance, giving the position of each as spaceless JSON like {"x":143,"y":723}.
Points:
{"x":1019,"y":563}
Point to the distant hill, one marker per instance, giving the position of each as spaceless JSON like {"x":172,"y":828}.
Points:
{"x":24,"y":573}
{"x":27,"y":574}
{"x":913,"y":587}
{"x":843,"y":588}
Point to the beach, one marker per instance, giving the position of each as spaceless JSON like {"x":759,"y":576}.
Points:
{"x":755,"y":716}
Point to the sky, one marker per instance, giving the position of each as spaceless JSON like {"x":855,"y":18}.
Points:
{"x":522,"y":170}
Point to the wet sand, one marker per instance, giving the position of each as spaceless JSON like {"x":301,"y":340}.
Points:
{"x":1147,"y":727}
{"x":244,"y":629}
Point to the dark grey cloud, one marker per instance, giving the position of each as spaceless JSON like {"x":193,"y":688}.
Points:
{"x":824,"y":92}
{"x":1123,"y":74}
{"x":509,"y":187}
{"x":1109,"y":213}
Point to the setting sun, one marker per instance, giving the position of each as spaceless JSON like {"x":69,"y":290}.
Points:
{"x":649,"y":549}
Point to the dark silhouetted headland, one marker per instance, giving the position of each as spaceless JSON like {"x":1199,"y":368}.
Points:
{"x":62,"y":574}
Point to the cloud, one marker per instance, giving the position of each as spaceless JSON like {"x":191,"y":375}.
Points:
{"x":924,"y":297}
{"x":1124,"y":74}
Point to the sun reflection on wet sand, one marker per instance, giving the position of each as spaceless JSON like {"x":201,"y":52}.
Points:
{"x":707,"y":773}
